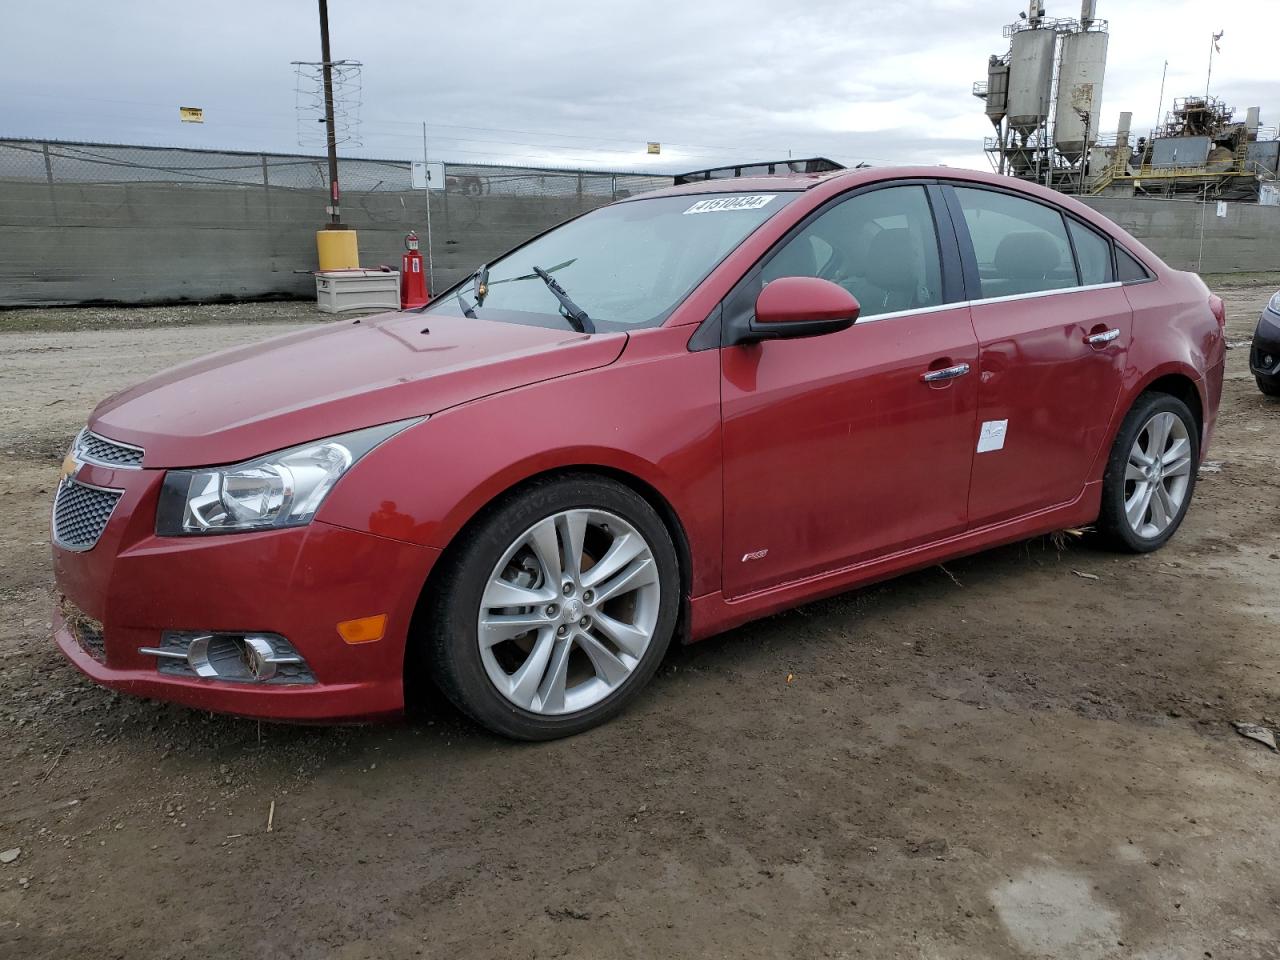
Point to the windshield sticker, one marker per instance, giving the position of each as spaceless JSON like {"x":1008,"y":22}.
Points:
{"x":719,"y":204}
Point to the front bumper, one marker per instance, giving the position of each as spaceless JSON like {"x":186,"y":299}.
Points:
{"x":298,"y":582}
{"x":1264,"y":353}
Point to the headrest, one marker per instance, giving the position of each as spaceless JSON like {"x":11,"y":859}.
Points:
{"x":891,"y":261}
{"x":1027,"y":255}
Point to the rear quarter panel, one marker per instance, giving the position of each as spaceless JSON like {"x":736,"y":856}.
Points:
{"x":1174,"y":332}
{"x":654,"y":414}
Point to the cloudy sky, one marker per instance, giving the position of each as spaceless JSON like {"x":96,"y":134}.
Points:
{"x":587,"y":84}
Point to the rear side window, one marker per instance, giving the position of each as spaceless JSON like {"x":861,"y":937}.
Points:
{"x":1128,"y":269}
{"x":1021,"y":246}
{"x":1093,"y":253}
{"x":881,"y":246}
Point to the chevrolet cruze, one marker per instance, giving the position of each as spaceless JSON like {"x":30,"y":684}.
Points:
{"x":664,"y":418}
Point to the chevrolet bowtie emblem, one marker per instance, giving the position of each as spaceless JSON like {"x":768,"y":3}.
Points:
{"x":69,"y":465}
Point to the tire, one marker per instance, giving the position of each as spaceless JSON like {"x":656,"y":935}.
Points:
{"x":1268,"y":385}
{"x":511,"y":552}
{"x":1124,"y":521}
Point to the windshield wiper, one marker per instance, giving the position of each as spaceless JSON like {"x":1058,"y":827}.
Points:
{"x":479,"y":286}
{"x":468,"y":311}
{"x":571,"y":311}
{"x":479,"y":289}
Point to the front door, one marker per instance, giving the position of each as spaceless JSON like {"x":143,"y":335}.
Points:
{"x":844,"y":447}
{"x":1053,"y":331}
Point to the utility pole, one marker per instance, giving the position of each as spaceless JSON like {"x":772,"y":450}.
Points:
{"x":326,"y":67}
{"x":426,"y":163}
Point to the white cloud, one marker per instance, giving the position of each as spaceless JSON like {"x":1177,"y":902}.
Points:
{"x":589,"y":83}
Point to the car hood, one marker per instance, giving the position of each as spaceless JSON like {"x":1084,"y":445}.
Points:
{"x":330,"y":379}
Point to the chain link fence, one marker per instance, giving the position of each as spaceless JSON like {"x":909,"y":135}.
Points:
{"x":86,"y":222}
{"x":55,"y":161}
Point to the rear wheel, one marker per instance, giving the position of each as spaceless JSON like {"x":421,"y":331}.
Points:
{"x":556,"y":610}
{"x":1151,"y":474}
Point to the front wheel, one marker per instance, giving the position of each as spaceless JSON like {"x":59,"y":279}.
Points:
{"x":556,"y":610}
{"x":1268,"y":385}
{"x":1151,"y":474}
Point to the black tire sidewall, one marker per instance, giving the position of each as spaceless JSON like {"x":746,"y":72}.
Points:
{"x":1112,"y":520}
{"x":454,"y":607}
{"x":1270,"y":386}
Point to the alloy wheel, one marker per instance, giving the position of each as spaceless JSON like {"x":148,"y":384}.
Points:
{"x":1157,"y":475}
{"x":568,"y":611}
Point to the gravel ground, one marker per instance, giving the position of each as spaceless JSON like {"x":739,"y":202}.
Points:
{"x":145,"y":318}
{"x":1000,"y":760}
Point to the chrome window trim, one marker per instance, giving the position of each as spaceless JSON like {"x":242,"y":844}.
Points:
{"x":954,"y":305}
{"x":86,"y":458}
{"x":53,"y":512}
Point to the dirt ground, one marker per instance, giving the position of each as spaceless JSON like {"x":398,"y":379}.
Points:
{"x":1002,"y":759}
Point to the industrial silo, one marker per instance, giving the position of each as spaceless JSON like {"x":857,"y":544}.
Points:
{"x":997,"y":90}
{"x":1030,"y":79}
{"x":1084,"y":61}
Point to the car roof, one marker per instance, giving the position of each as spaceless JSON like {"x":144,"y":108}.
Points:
{"x":837,"y":181}
{"x":841,"y":180}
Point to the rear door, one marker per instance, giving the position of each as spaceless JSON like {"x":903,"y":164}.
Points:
{"x":847,"y":446}
{"x":1053,"y":332}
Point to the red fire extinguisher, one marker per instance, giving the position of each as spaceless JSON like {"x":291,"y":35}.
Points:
{"x":413,"y":279}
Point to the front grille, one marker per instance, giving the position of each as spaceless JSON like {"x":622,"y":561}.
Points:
{"x":108,"y":453}
{"x":80,"y":514}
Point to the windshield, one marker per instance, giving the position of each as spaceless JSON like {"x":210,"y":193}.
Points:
{"x":625,"y":266}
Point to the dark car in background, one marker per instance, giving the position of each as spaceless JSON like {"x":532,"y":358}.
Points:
{"x":1264,"y":355}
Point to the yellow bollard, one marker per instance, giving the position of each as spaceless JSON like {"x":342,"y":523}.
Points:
{"x":337,"y":250}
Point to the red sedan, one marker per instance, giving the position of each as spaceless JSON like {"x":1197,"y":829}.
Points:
{"x":662,"y":419}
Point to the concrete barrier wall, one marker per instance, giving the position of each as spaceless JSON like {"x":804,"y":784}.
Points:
{"x":151,"y":242}
{"x":1246,"y":240}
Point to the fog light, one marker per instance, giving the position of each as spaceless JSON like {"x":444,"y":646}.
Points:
{"x":259,"y":658}
{"x":238,"y":657}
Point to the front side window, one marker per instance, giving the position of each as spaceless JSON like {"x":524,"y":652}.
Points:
{"x":627,"y":265}
{"x":1021,"y":246}
{"x":881,"y":246}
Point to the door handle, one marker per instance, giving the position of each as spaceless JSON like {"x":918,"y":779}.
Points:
{"x":946,"y":373}
{"x":1097,"y":339}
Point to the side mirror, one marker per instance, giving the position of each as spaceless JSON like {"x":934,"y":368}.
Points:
{"x":801,"y":307}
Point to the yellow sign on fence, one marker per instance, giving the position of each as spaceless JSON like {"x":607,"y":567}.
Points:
{"x":191,"y":114}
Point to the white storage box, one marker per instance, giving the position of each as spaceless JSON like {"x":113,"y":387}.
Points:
{"x":343,"y":291}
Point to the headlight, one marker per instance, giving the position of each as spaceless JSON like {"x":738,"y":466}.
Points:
{"x":283,"y":489}
{"x":1274,"y":304}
